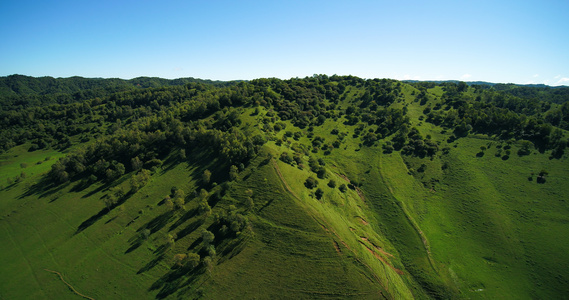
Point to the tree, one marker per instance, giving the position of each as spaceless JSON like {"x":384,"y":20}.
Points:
{"x":168,"y":202}
{"x":179,"y":199}
{"x":110,"y":200}
{"x":207,"y":237}
{"x":525,"y":148}
{"x":285,"y":157}
{"x":140,"y":180}
{"x":203,"y":205}
{"x":206,"y":177}
{"x":233,"y":172}
{"x":192,"y":260}
{"x":136,"y":163}
{"x":319,"y":193}
{"x":179,"y":259}
{"x":311,"y":182}
{"x":208,"y":263}
{"x":343,"y":188}
{"x":332,"y":183}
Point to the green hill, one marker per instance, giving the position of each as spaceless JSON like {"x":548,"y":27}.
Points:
{"x":321,"y":187}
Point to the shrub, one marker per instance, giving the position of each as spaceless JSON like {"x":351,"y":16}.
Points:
{"x":311,"y":182}
{"x":319,"y":193}
{"x":285,"y":157}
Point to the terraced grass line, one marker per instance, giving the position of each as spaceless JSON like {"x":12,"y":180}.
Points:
{"x":410,"y":220}
{"x":382,"y":259}
{"x":100,"y":247}
{"x":358,"y":190}
{"x":23,"y":255}
{"x":69,"y":285}
{"x":329,"y":229}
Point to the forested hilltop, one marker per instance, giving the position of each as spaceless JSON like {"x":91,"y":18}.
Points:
{"x":316,"y":187}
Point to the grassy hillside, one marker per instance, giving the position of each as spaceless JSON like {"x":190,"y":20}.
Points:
{"x":309,"y":188}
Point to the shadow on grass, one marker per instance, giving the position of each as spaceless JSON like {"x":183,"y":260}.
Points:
{"x":186,"y":216}
{"x":45,"y":187}
{"x":136,"y":241}
{"x":189,"y":229}
{"x":153,"y":263}
{"x":87,"y":223}
{"x":158,"y":222}
{"x":177,"y":279}
{"x":149,"y":228}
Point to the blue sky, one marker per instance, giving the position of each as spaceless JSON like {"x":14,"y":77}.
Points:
{"x":498,"y":41}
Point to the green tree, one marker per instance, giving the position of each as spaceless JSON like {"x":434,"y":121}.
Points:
{"x":319,"y":193}
{"x":140,"y":180}
{"x":192,"y":260}
{"x":206,"y":177}
{"x":136,"y":163}
{"x":525,"y":148}
{"x":203,"y":205}
{"x":179,"y":199}
{"x":311,"y":182}
{"x":332,"y":183}
{"x":207,"y":237}
{"x":208,"y":263}
{"x":233,"y":172}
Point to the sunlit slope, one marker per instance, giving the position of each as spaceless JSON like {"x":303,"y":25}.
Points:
{"x":296,"y":245}
{"x":499,"y":232}
{"x":322,"y":206}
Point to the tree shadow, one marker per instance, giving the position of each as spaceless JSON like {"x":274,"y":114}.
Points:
{"x":81,"y":186}
{"x":195,"y":243}
{"x":189,"y":229}
{"x":158,"y":222}
{"x":186,"y":216}
{"x":153,"y":263}
{"x":97,"y":190}
{"x":176,"y":279}
{"x":135,"y":242}
{"x":87,"y":223}
{"x":45,"y":187}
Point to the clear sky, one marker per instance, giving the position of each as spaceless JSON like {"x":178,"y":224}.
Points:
{"x":498,"y":41}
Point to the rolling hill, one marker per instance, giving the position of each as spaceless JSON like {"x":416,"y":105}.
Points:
{"x":321,"y":187}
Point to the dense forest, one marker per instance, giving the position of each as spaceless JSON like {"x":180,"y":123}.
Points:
{"x":142,"y":116}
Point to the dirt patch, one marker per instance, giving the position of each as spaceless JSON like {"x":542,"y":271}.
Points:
{"x":362,"y":220}
{"x":344,"y":177}
{"x":377,"y":247}
{"x":346,"y":245}
{"x":358,"y":190}
{"x":382,"y":259}
{"x":337,"y":247}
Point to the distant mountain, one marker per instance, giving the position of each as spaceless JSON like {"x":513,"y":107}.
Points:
{"x":556,"y":94}
{"x":21,"y":85}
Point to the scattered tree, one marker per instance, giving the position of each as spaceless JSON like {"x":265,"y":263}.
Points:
{"x":206,"y":177}
{"x":311,"y":182}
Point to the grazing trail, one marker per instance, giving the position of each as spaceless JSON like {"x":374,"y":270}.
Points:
{"x":69,"y":285}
